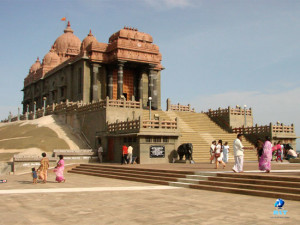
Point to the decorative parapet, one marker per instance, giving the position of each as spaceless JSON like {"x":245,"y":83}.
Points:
{"x":136,"y":126}
{"x":271,"y":129}
{"x":232,"y":111}
{"x":178,"y":107}
{"x":68,"y":107}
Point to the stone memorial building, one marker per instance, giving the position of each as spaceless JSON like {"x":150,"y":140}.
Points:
{"x":128,"y":66}
{"x":106,"y":91}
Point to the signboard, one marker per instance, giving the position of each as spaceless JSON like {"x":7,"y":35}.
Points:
{"x":157,"y":151}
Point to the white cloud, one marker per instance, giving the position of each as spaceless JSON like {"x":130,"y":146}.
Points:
{"x":170,"y":3}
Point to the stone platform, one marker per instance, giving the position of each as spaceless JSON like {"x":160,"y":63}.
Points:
{"x":97,"y":200}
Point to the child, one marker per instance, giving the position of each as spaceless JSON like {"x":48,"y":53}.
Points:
{"x":34,"y":175}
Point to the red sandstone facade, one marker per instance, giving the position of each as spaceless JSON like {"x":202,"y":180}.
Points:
{"x":128,"y":66}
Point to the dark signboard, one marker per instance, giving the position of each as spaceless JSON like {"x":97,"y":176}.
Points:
{"x":157,"y":151}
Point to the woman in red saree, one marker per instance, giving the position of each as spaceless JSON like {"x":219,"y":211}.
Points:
{"x":59,"y":170}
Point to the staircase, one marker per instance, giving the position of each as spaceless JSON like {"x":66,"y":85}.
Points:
{"x":200,"y":130}
{"x":285,"y":187}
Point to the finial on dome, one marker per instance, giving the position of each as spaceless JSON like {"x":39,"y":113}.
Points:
{"x":68,"y":28}
{"x":90,"y":34}
{"x":38,"y":59}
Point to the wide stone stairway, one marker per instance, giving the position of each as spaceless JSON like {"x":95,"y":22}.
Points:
{"x":273,"y":186}
{"x":200,"y":130}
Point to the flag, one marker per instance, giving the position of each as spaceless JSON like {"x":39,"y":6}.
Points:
{"x":63,"y":19}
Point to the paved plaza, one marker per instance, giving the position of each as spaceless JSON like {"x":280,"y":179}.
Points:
{"x":95,"y":200}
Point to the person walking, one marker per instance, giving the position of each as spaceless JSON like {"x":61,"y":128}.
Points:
{"x":259,"y":148}
{"x":219,"y":154}
{"x":211,"y":151}
{"x":225,"y":152}
{"x":59,"y":170}
{"x":129,"y":156}
{"x":124,"y":154}
{"x":43,"y":169}
{"x":100,"y":153}
{"x":238,"y":150}
{"x":265,"y":159}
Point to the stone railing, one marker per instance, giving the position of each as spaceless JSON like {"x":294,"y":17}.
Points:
{"x":278,"y":128}
{"x":178,"y":107}
{"x":76,"y":106}
{"x":232,"y":111}
{"x":135,"y":126}
{"x":252,"y":130}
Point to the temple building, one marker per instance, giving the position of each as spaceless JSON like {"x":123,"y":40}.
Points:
{"x":127,"y":67}
{"x":107,"y":91}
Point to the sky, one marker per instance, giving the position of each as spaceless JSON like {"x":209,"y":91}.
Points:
{"x":215,"y":53}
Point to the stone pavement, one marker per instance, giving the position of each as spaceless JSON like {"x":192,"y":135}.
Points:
{"x":95,"y":200}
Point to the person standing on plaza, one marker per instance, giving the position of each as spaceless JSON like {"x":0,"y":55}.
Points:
{"x":129,"y":156}
{"x":211,"y":150}
{"x":278,"y":151}
{"x":225,"y":152}
{"x":219,"y":154}
{"x":124,"y":154}
{"x":100,"y":153}
{"x":43,"y":169}
{"x":259,"y":148}
{"x":265,"y":159}
{"x":59,"y":170}
{"x":238,"y":150}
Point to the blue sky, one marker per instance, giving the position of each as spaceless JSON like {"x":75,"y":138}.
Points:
{"x":216,"y":53}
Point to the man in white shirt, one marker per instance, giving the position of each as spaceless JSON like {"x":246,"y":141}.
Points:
{"x":212,"y":149}
{"x":238,"y":150}
{"x":129,"y":156}
{"x":100,"y":153}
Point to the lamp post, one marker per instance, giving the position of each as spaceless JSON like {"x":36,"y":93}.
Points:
{"x":150,"y":99}
{"x":34,"y":110}
{"x":27,"y":112}
{"x":18,"y":113}
{"x":245,"y":112}
{"x":44,"y":112}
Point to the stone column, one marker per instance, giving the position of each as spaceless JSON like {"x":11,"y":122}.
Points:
{"x":110,"y":83}
{"x":120,"y":79}
{"x":140,"y":87}
{"x":95,"y":88}
{"x":153,"y":86}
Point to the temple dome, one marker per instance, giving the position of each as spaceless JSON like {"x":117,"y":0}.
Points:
{"x":67,"y":43}
{"x":51,"y":58}
{"x":87,"y":40}
{"x":35,"y":66}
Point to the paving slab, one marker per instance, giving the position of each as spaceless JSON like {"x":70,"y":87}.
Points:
{"x":115,"y":201}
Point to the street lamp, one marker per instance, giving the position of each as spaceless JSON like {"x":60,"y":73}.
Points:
{"x":150,"y":99}
{"x":245,"y":108}
{"x":44,"y":110}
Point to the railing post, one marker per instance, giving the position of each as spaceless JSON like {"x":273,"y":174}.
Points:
{"x":168,"y":104}
{"x":107,"y":101}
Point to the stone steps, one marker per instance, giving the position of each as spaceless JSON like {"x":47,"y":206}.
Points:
{"x":286,"y":187}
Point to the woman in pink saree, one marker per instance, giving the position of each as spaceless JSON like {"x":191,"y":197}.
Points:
{"x":265,"y":159}
{"x":59,"y":170}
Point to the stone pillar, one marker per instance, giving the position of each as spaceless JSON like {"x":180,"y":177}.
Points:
{"x":110,"y":83}
{"x":140,"y":88}
{"x":153,"y":86}
{"x":120,"y":79}
{"x":95,"y":95}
